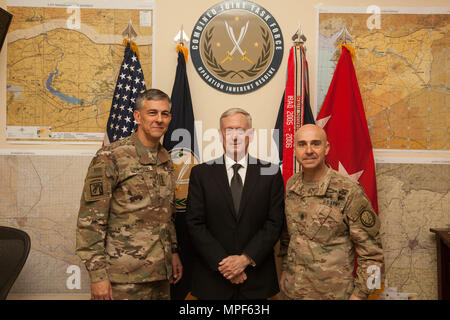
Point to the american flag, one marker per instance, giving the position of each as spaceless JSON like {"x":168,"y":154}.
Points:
{"x":130,"y":83}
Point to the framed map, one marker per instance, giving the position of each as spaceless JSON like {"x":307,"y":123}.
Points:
{"x":62,"y":66}
{"x":402,"y":64}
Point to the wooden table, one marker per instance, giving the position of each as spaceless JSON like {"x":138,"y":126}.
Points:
{"x":443,"y":262}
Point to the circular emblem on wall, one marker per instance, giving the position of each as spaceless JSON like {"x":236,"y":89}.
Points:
{"x":236,"y":46}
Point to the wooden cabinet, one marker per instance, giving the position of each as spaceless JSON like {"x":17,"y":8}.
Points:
{"x":443,"y":262}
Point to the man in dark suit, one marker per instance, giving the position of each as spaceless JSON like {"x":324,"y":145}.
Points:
{"x":235,"y":214}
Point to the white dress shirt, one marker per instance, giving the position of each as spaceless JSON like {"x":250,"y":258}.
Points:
{"x":242,"y":171}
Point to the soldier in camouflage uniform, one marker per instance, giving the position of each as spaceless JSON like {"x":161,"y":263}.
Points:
{"x":125,"y":233}
{"x":328,"y":218}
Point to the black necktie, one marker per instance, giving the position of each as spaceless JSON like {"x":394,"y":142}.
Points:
{"x":236,"y":186}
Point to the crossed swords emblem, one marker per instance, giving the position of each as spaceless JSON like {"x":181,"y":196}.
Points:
{"x":236,"y":44}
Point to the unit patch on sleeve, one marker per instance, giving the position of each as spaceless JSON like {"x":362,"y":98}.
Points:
{"x":368,"y":218}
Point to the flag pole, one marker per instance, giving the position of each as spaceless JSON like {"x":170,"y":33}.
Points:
{"x":343,"y":118}
{"x":180,"y":39}
{"x":344,"y":39}
{"x":130,"y":82}
{"x":299,"y":40}
{"x":129,"y":32}
{"x":295,"y":109}
{"x":184,"y":157}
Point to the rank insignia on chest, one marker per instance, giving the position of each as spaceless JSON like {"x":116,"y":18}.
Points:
{"x":161,"y":180}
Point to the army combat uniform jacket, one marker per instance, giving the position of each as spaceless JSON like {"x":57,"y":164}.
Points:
{"x":326,"y":222}
{"x":125,"y":230}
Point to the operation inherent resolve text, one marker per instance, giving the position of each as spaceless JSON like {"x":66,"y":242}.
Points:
{"x":236,"y":88}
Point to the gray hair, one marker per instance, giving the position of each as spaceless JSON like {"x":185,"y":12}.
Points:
{"x":234,"y":111}
{"x":149,"y":95}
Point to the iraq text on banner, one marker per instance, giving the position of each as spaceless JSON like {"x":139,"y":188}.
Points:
{"x":295,"y":109}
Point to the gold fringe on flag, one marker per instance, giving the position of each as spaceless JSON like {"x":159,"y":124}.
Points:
{"x":133,"y":46}
{"x":350,"y":48}
{"x":184,"y":50}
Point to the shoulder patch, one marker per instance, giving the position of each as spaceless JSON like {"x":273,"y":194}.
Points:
{"x":96,"y":171}
{"x":96,"y":189}
{"x":367,"y":218}
{"x":369,"y":221}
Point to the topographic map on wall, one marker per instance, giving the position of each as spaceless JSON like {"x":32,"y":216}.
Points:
{"x":42,"y":198}
{"x":412,"y":198}
{"x":63,"y":63}
{"x":402,"y":62}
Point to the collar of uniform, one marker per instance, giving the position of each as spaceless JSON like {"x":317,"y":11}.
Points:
{"x":149,"y":155}
{"x":298,"y":185}
{"x":163,"y":155}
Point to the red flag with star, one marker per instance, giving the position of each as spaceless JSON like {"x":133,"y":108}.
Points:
{"x":343,"y":119}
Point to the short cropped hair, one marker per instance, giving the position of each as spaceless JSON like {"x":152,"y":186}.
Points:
{"x":234,"y":111}
{"x":149,"y":95}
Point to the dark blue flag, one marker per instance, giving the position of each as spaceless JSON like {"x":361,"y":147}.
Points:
{"x":182,"y":112}
{"x":180,"y":141}
{"x":130,"y":83}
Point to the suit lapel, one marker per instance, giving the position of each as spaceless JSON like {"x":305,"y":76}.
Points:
{"x":220,"y":174}
{"x":251,"y":180}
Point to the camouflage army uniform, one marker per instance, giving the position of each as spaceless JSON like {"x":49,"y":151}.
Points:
{"x":155,"y":290}
{"x":125,"y":225}
{"x":326,"y":221}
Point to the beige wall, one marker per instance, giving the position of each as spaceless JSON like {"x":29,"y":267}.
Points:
{"x":3,"y":88}
{"x":209,"y":103}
